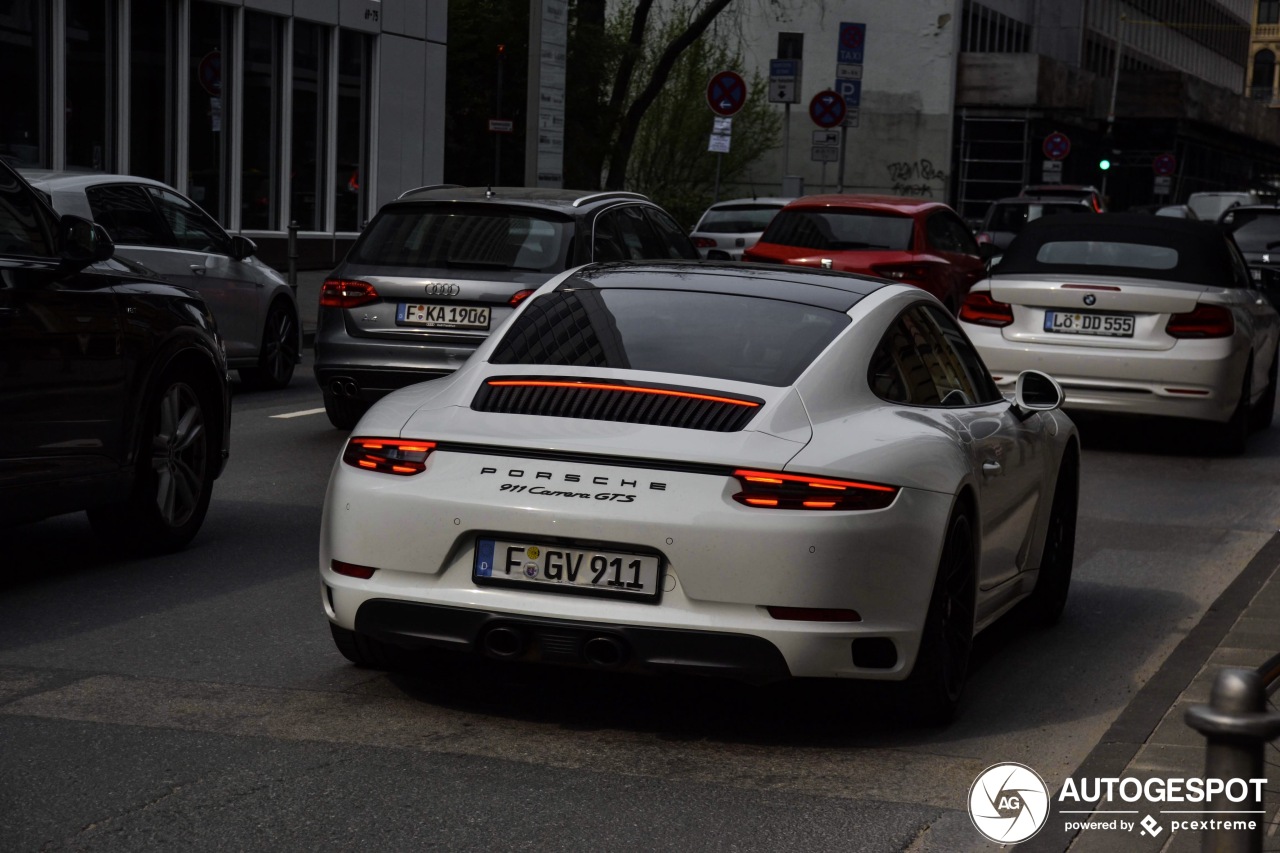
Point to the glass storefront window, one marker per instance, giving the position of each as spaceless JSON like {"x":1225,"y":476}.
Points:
{"x":208,"y":86}
{"x":150,"y":90}
{"x":354,"y":59}
{"x":90,"y":105}
{"x":260,"y":137}
{"x":24,"y":131}
{"x":307,"y":165}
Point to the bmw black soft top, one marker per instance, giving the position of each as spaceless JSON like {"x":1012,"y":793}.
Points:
{"x":1122,"y":244}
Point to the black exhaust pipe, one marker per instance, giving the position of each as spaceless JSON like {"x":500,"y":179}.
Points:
{"x":344,"y":387}
{"x":604,"y":651}
{"x":502,"y":642}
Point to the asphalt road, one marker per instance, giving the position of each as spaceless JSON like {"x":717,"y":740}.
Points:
{"x":196,"y":701}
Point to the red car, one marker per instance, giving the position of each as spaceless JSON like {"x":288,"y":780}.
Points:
{"x":912,"y":240}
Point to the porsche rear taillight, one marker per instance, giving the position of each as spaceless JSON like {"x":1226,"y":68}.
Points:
{"x":346,"y":293}
{"x":1206,"y":321}
{"x":388,"y":455}
{"x":771,"y":490}
{"x":979,"y":308}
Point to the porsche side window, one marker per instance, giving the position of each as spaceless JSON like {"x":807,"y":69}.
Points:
{"x":951,"y":385}
{"x":898,"y":370}
{"x":980,"y":384}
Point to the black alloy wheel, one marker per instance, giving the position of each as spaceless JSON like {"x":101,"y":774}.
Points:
{"x":1047,"y":600}
{"x":174,"y":480}
{"x":279,"y":352}
{"x":935,"y":686}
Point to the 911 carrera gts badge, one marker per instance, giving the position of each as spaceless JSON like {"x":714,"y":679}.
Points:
{"x":1089,"y":299}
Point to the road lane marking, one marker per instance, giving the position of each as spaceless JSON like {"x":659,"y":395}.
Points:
{"x":299,"y":414}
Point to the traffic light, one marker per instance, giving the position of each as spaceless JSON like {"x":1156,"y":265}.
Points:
{"x":1104,"y":164}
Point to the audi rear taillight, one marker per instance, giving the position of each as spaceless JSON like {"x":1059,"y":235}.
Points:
{"x":704,"y":242}
{"x":1206,"y":321}
{"x":346,"y":293}
{"x":519,"y":296}
{"x":771,"y":490}
{"x":979,"y":308}
{"x":388,"y":455}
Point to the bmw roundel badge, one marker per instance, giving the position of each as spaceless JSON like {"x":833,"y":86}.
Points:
{"x":1089,"y":299}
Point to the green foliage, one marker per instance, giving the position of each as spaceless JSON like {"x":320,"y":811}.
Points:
{"x":669,"y":161}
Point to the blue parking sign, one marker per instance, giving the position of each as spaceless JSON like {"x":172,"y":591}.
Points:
{"x":850,"y":90}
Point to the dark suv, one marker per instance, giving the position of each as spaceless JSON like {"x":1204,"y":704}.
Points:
{"x":1256,"y":229}
{"x":113,"y":387}
{"x":441,"y":267}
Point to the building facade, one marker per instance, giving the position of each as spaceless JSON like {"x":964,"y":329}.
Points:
{"x":959,"y":98}
{"x":265,"y":112}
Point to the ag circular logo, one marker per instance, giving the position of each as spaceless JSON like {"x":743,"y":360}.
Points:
{"x":1008,"y":803}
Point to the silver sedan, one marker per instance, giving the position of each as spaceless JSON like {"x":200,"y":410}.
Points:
{"x":155,"y":226}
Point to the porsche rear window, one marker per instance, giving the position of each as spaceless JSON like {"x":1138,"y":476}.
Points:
{"x":716,"y":335}
{"x":836,"y":230}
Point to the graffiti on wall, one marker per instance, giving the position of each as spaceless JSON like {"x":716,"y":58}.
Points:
{"x":917,"y":177}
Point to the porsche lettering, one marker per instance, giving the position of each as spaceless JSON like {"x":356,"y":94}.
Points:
{"x":621,"y":482}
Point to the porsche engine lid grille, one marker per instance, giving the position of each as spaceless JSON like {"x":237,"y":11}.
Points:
{"x":605,"y":400}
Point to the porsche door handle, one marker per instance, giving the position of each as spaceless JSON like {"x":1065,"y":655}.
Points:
{"x":990,"y":468}
{"x":198,"y":269}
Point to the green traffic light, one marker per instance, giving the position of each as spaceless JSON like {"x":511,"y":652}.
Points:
{"x":1104,"y":164}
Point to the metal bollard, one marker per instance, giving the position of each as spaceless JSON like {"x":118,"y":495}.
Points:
{"x":293,"y":255}
{"x":1237,"y":727}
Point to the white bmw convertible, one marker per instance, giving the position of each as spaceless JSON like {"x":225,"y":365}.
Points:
{"x":749,"y":471}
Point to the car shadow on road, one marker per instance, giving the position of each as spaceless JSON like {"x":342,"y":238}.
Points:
{"x":1164,"y":436}
{"x":1013,"y":686}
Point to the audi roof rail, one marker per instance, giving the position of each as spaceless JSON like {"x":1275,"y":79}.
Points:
{"x":609,"y":194}
{"x":429,"y":187}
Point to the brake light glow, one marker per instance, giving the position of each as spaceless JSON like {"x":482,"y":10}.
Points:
{"x":346,"y":293}
{"x":518,"y":297}
{"x":388,"y":455}
{"x":603,"y":386}
{"x":799,"y":491}
{"x":980,"y":309}
{"x":1206,"y":321}
{"x":704,"y":242}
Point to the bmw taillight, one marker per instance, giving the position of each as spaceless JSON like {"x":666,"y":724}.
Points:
{"x":519,"y":296}
{"x":771,"y":490}
{"x":979,"y":308}
{"x":704,"y":242}
{"x":346,"y":293}
{"x":388,"y":455}
{"x":1206,"y":321}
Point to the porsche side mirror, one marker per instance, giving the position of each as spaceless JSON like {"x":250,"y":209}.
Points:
{"x":81,"y":242}
{"x":1037,"y":392}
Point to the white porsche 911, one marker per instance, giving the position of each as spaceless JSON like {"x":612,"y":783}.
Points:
{"x":750,"y":471}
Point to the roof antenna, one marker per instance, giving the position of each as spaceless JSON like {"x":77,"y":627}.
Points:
{"x":488,"y":193}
